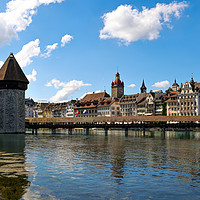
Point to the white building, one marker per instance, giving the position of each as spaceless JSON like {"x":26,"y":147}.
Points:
{"x":70,"y":108}
{"x":189,"y":99}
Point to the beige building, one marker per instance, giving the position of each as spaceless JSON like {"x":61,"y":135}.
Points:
{"x":128,"y":106}
{"x":189,"y":99}
{"x":108,"y":107}
{"x":172,"y":104}
{"x":87,"y":107}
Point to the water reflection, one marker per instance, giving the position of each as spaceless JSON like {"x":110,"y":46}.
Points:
{"x":100,"y":167}
{"x":13,"y":176}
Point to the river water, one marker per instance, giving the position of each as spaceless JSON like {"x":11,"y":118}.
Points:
{"x":95,"y":166}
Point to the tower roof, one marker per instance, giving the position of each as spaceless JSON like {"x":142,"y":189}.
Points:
{"x":175,"y":83}
{"x":117,"y":81}
{"x":11,"y":71}
{"x":143,"y":85}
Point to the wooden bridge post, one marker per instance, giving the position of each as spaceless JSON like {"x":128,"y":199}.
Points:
{"x":143,"y":131}
{"x":126,"y":131}
{"x":34,"y":131}
{"x":106,"y":131}
{"x":53,"y":131}
{"x":70,"y":131}
{"x":163,"y":132}
{"x":87,"y":131}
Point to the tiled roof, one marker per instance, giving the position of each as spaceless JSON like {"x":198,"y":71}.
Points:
{"x":141,"y":97}
{"x":95,"y":96}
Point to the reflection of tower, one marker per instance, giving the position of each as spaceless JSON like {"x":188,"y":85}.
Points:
{"x":143,"y":87}
{"x":13,"y":84}
{"x":13,"y":176}
{"x":117,"y":87}
{"x":118,"y":161}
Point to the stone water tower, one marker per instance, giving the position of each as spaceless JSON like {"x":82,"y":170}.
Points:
{"x":13,"y":84}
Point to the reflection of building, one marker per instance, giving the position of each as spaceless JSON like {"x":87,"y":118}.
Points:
{"x":13,"y":84}
{"x":13,"y":180}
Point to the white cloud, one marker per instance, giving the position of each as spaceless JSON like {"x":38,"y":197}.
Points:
{"x":66,"y":89}
{"x":49,"y":49}
{"x":161,"y":84}
{"x":32,"y":77}
{"x":130,"y":25}
{"x":1,"y":63}
{"x":18,"y":16}
{"x":66,"y":39}
{"x":131,"y":85}
{"x":28,"y":51}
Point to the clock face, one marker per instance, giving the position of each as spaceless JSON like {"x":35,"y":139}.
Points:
{"x":120,"y":90}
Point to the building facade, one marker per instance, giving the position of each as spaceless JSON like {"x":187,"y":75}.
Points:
{"x":188,"y":99}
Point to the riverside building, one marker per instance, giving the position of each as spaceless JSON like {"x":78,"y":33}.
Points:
{"x":189,"y":99}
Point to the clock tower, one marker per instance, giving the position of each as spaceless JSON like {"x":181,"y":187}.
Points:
{"x":117,"y":87}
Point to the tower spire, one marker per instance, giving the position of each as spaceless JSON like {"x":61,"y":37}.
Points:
{"x":143,"y":87}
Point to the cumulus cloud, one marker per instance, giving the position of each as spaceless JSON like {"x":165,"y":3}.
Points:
{"x":32,"y":77}
{"x":18,"y":16}
{"x":66,"y":39}
{"x":161,"y":84}
{"x":1,"y":63}
{"x":131,"y":85}
{"x":49,"y":49}
{"x":66,"y":89}
{"x":28,"y":51}
{"x":130,"y":25}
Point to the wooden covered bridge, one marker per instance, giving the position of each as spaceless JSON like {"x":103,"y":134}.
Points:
{"x":126,"y":122}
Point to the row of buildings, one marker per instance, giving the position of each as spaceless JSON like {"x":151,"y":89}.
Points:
{"x":183,"y":100}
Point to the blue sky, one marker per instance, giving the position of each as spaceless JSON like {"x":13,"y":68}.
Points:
{"x":158,"y":44}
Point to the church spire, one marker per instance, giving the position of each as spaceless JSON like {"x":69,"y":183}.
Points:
{"x":143,"y":87}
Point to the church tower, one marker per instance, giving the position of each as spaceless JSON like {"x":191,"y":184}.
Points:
{"x":117,"y":87}
{"x":13,"y":84}
{"x":143,"y":88}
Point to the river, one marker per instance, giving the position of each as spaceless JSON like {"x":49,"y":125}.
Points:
{"x":95,"y":166}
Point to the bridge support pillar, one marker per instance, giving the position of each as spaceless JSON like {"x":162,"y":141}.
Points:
{"x":126,"y":132}
{"x":34,"y":131}
{"x":106,"y":131}
{"x":87,"y":131}
{"x":143,"y":131}
{"x":70,"y":131}
{"x":53,"y":131}
{"x":163,"y":132}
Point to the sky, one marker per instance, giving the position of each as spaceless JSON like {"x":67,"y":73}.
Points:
{"x":68,"y":48}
